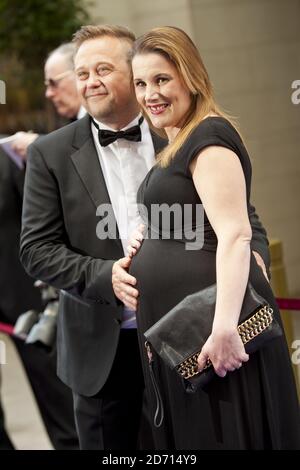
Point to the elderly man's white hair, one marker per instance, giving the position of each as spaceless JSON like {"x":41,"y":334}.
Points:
{"x":66,"y":50}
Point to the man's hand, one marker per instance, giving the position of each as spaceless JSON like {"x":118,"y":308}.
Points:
{"x":21,"y":142}
{"x":122,"y":283}
{"x":261,"y":264}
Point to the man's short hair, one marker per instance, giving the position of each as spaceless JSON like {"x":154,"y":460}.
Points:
{"x":94,"y":32}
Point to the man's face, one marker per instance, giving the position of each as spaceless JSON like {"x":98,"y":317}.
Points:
{"x":104,"y":80}
{"x":61,"y":86}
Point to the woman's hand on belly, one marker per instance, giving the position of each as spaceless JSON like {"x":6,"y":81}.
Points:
{"x":136,"y":240}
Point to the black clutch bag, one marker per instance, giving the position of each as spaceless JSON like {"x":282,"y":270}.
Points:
{"x":179,"y":335}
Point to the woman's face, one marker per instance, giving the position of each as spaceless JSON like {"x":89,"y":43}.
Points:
{"x":161,"y":92}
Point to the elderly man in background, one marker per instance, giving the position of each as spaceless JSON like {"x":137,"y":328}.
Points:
{"x":60,"y":89}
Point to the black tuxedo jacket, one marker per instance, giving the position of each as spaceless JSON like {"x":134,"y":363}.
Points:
{"x":17,"y":293}
{"x":64,"y":186}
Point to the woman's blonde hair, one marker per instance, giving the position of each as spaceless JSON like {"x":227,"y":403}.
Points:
{"x":176,"y":46}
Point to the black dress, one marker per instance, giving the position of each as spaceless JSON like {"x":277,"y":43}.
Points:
{"x":254,"y":407}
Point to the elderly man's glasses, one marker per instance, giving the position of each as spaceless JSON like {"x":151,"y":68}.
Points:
{"x":54,"y":82}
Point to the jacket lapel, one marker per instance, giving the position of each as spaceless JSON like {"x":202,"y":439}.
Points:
{"x":88,"y":167}
{"x":86,"y":162}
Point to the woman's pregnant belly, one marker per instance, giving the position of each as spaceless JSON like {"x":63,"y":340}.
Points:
{"x":165,"y":268}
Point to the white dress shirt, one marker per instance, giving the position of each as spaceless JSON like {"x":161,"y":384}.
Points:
{"x":124,"y":165}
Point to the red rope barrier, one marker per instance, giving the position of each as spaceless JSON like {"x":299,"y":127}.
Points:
{"x":6,"y":328}
{"x":288,"y":304}
{"x":283,"y":304}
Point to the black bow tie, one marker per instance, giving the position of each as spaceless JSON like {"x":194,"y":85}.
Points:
{"x":107,"y":137}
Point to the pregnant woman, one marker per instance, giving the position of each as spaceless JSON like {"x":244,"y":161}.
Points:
{"x":252,"y":403}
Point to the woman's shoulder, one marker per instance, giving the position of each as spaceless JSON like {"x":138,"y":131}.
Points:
{"x":215,"y":130}
{"x":212,"y":131}
{"x":216,"y":127}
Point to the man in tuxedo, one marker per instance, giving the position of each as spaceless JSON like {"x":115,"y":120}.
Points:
{"x":18,"y":295}
{"x":74,"y":176}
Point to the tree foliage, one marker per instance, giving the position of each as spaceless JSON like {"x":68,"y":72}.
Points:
{"x":32,"y":28}
{"x":29,"y":30}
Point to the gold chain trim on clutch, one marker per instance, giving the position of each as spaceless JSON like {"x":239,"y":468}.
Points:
{"x":248,"y":330}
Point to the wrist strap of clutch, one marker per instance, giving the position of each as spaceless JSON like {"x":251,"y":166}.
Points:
{"x":159,"y":411}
